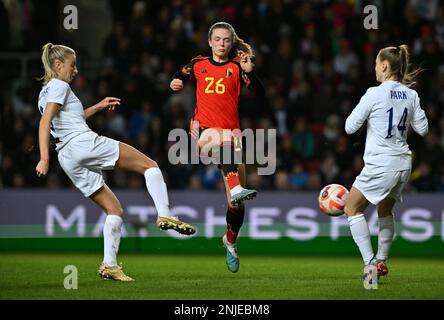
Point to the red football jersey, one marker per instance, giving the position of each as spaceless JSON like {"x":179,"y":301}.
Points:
{"x":218,"y":86}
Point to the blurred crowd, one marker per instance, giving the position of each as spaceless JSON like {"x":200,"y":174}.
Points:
{"x":315,"y":59}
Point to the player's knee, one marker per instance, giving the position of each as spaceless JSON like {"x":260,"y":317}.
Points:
{"x":382,"y":213}
{"x":350,"y":210}
{"x":115,"y":210}
{"x":148,"y":164}
{"x":120,"y":211}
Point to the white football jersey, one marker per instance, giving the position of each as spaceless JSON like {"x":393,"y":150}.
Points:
{"x":390,"y":109}
{"x":69,"y":122}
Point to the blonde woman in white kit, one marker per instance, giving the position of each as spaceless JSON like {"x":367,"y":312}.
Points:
{"x":83,"y":154}
{"x":389,"y":109}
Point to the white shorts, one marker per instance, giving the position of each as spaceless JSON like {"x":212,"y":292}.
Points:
{"x":377,"y":187}
{"x":84,"y":157}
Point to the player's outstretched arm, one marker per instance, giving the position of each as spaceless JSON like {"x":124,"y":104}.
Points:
{"x":51,"y":110}
{"x":108,"y":102}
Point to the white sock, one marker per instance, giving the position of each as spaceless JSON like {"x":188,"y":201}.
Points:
{"x":236,"y":190}
{"x":111,"y":237}
{"x":158,"y":190}
{"x":361,"y":234}
{"x":230,"y":246}
{"x":385,"y":236}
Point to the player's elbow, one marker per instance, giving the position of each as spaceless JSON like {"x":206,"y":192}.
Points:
{"x":352,"y":124}
{"x":424,"y":130}
{"x":44,"y":122}
{"x":348,"y":128}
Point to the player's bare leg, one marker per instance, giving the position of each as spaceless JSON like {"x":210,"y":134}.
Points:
{"x":131,"y":159}
{"x":356,"y":203}
{"x":109,"y":268}
{"x":225,"y":147}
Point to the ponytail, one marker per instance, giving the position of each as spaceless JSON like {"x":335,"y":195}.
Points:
{"x":399,"y":61}
{"x":241,"y":45}
{"x":50,"y":53}
{"x":408,"y":77}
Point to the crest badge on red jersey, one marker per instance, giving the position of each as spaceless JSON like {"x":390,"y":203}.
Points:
{"x":228,"y":73}
{"x":186,"y":71}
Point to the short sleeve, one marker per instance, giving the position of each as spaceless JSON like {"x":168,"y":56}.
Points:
{"x":58,"y":92}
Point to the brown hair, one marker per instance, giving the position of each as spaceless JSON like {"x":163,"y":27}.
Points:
{"x":52,"y":52}
{"x":399,"y":61}
{"x":238,"y":43}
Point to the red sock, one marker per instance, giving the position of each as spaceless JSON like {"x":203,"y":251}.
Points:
{"x":232,"y":179}
{"x":231,"y":236}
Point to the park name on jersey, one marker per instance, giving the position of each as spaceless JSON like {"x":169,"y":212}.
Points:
{"x":398,"y":95}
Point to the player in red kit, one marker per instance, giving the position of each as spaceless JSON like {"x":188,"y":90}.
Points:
{"x":219,"y":80}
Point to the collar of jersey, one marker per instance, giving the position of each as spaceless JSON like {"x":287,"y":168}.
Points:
{"x":212,"y":61}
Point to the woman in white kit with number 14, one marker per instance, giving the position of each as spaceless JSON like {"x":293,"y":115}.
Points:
{"x":389,"y":109}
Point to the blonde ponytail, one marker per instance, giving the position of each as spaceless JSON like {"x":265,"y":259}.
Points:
{"x":408,"y":77}
{"x":241,"y":45}
{"x":50,"y":53}
{"x":399,"y":61}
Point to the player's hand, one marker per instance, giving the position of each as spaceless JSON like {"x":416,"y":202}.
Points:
{"x":109,"y":103}
{"x":42,"y":168}
{"x":245,"y":62}
{"x":176,"y":84}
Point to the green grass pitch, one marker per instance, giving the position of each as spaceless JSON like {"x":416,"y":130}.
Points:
{"x":172,"y":277}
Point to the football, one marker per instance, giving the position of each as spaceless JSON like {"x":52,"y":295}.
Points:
{"x":332,"y":199}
